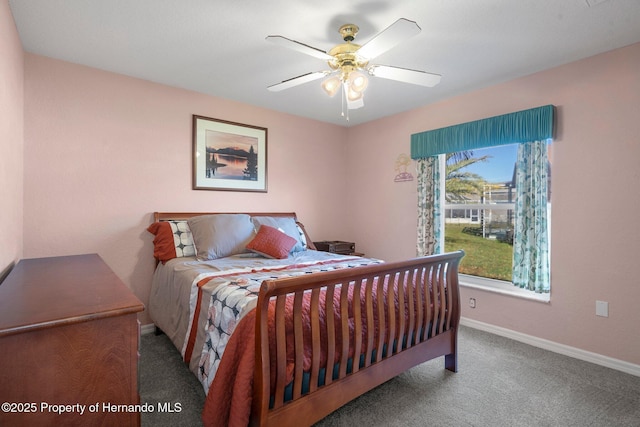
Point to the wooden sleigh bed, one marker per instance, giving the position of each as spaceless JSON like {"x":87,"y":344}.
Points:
{"x":318,"y":329}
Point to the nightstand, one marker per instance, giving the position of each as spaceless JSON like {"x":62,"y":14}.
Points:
{"x":337,"y":247}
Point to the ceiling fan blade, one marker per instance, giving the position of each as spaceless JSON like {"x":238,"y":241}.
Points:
{"x":295,"y":81}
{"x":406,"y":75}
{"x":300,"y":47}
{"x":397,"y":32}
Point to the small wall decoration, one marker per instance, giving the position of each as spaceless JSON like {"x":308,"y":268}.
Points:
{"x":402,"y":163}
{"x":229,"y":156}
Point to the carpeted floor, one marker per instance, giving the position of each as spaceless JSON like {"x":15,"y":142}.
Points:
{"x":500,"y":382}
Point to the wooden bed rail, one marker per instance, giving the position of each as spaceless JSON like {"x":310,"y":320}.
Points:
{"x":323,"y":339}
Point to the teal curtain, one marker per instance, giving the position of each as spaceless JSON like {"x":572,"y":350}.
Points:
{"x":535,"y":124}
{"x":531,"y":129}
{"x":428,"y":206}
{"x":531,"y":224}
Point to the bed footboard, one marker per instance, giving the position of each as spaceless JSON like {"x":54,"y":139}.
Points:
{"x":324,"y":339}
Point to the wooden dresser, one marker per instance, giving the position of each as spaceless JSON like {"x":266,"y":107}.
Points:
{"x":69,"y":335}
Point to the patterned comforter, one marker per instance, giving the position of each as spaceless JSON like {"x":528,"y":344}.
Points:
{"x":198,"y":304}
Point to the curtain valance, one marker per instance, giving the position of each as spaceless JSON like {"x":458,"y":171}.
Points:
{"x":535,"y":124}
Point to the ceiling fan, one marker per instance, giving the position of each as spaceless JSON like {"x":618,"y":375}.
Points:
{"x":349,"y":63}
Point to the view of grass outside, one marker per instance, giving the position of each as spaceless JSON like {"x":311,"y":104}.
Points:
{"x":479,"y":210}
{"x":483,"y":257}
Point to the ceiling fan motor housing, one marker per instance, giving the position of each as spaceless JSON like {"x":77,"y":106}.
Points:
{"x":345,"y":57}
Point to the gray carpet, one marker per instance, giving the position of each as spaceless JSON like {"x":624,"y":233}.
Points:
{"x":500,"y":382}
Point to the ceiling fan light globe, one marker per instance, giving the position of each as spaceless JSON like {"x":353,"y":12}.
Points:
{"x":331,"y":85}
{"x":353,"y":95}
{"x":358,"y":81}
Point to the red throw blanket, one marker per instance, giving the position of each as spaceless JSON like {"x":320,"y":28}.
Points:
{"x":229,"y":400}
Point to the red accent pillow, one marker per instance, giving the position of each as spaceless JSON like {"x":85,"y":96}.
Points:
{"x":163,"y":247}
{"x":271,"y":243}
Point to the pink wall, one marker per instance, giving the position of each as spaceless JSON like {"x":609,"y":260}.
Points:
{"x":595,"y":198}
{"x":104,"y":151}
{"x":11,"y":140}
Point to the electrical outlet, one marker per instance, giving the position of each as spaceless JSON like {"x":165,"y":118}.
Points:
{"x":602,"y":308}
{"x":472,"y":302}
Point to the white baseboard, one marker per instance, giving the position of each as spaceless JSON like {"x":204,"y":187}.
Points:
{"x":587,"y":356}
{"x":147,"y":329}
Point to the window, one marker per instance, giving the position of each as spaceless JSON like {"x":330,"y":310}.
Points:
{"x":532,"y":131}
{"x":479,"y":188}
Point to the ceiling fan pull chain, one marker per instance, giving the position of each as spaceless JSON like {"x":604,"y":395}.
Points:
{"x":342,"y":100}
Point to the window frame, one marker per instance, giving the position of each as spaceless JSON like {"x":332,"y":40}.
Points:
{"x":503,"y":287}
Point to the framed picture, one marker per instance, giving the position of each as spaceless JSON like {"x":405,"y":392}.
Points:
{"x":229,"y":156}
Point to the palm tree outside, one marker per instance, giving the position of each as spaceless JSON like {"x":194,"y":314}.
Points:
{"x":476,"y":218}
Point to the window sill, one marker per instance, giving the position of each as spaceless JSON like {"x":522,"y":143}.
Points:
{"x":500,"y":287}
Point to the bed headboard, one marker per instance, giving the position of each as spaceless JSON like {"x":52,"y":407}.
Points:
{"x":177,"y":216}
{"x":164,"y":244}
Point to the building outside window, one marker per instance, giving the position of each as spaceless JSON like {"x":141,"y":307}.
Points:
{"x":479,"y":202}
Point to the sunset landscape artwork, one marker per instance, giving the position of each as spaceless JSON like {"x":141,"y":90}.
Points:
{"x":229,"y":156}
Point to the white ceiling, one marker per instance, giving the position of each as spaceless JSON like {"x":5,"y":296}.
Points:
{"x":218,"y":47}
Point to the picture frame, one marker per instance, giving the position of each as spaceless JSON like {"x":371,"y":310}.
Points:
{"x":229,"y":156}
